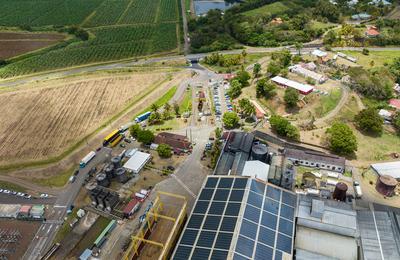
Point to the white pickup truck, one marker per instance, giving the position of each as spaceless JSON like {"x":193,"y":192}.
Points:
{"x":357,"y":189}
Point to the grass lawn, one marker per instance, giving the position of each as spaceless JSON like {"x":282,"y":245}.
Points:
{"x":320,"y":25}
{"x":379,"y":57}
{"x":371,"y":149}
{"x":91,"y":236}
{"x":58,"y":180}
{"x":11,"y":186}
{"x":161,"y":101}
{"x":273,"y":9}
{"x":186,"y":103}
{"x":328,"y":102}
{"x":348,"y":111}
{"x":171,"y":124}
{"x":65,"y":227}
{"x":187,"y":5}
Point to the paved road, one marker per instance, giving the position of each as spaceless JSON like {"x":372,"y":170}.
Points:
{"x":47,"y":231}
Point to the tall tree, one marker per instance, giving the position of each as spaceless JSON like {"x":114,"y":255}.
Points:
{"x":341,"y":139}
{"x":291,"y":97}
{"x":235,"y":89}
{"x":256,"y":70}
{"x":230,"y":120}
{"x":299,"y":47}
{"x":246,"y":107}
{"x":154,"y":107}
{"x":369,"y":120}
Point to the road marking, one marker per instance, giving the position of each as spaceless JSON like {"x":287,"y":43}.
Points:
{"x":183,"y":185}
{"x":59,"y":206}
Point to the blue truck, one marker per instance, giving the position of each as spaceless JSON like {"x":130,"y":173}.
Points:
{"x":142,"y":117}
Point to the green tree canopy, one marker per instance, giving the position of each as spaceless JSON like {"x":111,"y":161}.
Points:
{"x":235,"y":89}
{"x":396,"y":121}
{"x":134,"y":130}
{"x":341,"y":139}
{"x":369,"y":120}
{"x":256,"y":70}
{"x":243,"y":77}
{"x":291,"y":97}
{"x":164,"y":150}
{"x":246,"y":107}
{"x":283,"y":127}
{"x":145,"y":136}
{"x":273,"y":68}
{"x":230,"y":120}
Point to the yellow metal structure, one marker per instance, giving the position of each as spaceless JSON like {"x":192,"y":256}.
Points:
{"x":152,"y":216}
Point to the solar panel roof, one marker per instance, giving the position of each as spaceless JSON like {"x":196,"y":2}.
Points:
{"x":238,"y":218}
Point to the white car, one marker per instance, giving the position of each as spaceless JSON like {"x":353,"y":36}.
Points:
{"x":1,"y":190}
{"x":6,"y":191}
{"x":44,"y":195}
{"x":20,"y":194}
{"x":27,"y":196}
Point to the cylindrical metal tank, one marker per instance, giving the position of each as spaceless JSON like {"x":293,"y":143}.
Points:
{"x":100,"y":199}
{"x":259,"y":152}
{"x":121,"y":175}
{"x":109,"y":171}
{"x":102,"y":180}
{"x":111,"y":201}
{"x":340,"y":191}
{"x":386,"y":185}
{"x":93,"y":195}
{"x":116,"y":161}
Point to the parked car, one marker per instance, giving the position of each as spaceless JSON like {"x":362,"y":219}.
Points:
{"x":127,"y":140}
{"x":20,"y":194}
{"x":98,"y":149}
{"x":27,"y":196}
{"x":122,"y":145}
{"x":76,"y":172}
{"x":171,"y":168}
{"x":72,"y":179}
{"x":14,"y":192}
{"x":6,"y":191}
{"x":1,"y":190}
{"x":357,"y":189}
{"x":44,"y":195}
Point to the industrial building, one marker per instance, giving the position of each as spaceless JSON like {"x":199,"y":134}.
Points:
{"x":137,"y":161}
{"x":9,"y":210}
{"x":287,"y":83}
{"x":238,"y":217}
{"x":101,"y":197}
{"x":256,"y":169}
{"x":300,"y":70}
{"x":325,"y":229}
{"x":316,"y":159}
{"x":179,"y":143}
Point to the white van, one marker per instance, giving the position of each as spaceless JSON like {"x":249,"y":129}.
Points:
{"x":357,"y":189}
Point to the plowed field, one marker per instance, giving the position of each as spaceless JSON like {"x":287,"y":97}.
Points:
{"x":14,"y":44}
{"x":43,"y":121}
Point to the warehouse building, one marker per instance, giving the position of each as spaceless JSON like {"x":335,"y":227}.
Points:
{"x":387,"y":168}
{"x":137,"y":161}
{"x":239,"y":218}
{"x":9,"y":210}
{"x":179,"y":143}
{"x":298,"y":69}
{"x":287,"y":83}
{"x":315,"y":159}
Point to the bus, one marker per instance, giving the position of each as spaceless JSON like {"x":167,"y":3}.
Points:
{"x":112,"y":139}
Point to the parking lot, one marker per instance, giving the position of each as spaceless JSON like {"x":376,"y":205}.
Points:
{"x":221,"y":98}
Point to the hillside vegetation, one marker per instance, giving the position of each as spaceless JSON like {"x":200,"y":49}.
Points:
{"x":105,"y":30}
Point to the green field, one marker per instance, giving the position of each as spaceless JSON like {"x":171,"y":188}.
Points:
{"x":328,"y":103}
{"x":118,"y":29}
{"x":11,"y":186}
{"x":379,"y":57}
{"x":273,"y":9}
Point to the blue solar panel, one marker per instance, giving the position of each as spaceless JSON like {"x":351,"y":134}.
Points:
{"x":232,"y":209}
{"x":289,"y":198}
{"x":219,"y":255}
{"x":200,"y":254}
{"x":221,"y":194}
{"x":257,"y":187}
{"x":228,"y":224}
{"x":245,"y":246}
{"x":182,"y":253}
{"x":267,"y":236}
{"x":201,"y":207}
{"x":236,"y":195}
{"x":286,"y":226}
{"x":195,"y":221}
{"x":240,"y":183}
{"x":255,"y":199}
{"x":223,"y":240}
{"x":269,"y":220}
{"x":225,"y":183}
{"x":189,"y":237}
{"x":263,"y":252}
{"x":206,"y":194}
{"x":211,"y":182}
{"x":217,"y":208}
{"x":274,"y":193}
{"x":212,"y":222}
{"x":284,"y":243}
{"x":248,"y":229}
{"x":239,"y":257}
{"x":206,"y":238}
{"x":278,"y":255}
{"x":252,"y":213}
{"x":287,"y":212}
{"x":271,"y":206}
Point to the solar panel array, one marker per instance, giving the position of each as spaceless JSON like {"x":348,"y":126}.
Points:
{"x":267,"y":227}
{"x":210,"y":228}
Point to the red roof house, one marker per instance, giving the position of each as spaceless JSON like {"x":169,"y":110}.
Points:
{"x":372,"y":31}
{"x":131,"y":207}
{"x":178,"y":142}
{"x":395,"y":103}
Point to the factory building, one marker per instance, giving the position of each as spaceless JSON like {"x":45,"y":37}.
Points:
{"x":287,"y":83}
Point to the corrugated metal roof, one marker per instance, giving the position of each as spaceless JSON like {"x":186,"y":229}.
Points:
{"x":388,"y":168}
{"x":292,"y":84}
{"x":256,"y":169}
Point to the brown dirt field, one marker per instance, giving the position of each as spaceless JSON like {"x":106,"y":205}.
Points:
{"x":44,"y":120}
{"x":14,"y":44}
{"x":26,"y":228}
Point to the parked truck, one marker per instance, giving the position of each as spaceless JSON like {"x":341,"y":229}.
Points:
{"x":87,"y":159}
{"x":143,"y":117}
{"x":357,"y":189}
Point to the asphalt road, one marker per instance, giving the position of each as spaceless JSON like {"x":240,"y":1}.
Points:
{"x":55,"y":215}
